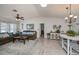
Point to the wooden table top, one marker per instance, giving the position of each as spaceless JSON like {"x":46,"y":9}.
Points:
{"x":18,"y":37}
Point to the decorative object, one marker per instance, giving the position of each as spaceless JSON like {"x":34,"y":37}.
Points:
{"x":57,"y":28}
{"x":71,"y":33}
{"x":57,"y":31}
{"x":30,"y":26}
{"x":70,"y":19}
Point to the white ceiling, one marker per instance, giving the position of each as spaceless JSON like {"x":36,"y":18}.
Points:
{"x":35,"y":10}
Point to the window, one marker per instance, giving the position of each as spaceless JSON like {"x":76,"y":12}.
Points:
{"x":3,"y":27}
{"x":12,"y":28}
{"x":7,"y":27}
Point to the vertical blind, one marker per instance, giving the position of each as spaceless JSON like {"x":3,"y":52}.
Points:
{"x":3,"y":27}
{"x":7,"y":27}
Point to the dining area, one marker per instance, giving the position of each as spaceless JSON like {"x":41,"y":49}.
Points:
{"x":70,"y":44}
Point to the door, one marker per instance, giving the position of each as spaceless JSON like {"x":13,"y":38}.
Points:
{"x":42,"y":30}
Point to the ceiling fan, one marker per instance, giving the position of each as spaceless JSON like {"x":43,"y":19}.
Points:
{"x":18,"y":17}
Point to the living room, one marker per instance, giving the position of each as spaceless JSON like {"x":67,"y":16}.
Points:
{"x":36,"y":29}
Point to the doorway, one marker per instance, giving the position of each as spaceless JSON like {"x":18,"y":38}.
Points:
{"x":42,"y":30}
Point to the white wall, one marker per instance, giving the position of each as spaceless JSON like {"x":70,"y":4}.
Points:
{"x":49,"y":22}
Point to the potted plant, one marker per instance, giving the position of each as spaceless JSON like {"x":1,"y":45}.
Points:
{"x":71,"y":33}
{"x":58,"y":31}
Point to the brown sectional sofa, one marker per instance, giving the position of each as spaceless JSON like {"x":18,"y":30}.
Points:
{"x":5,"y":38}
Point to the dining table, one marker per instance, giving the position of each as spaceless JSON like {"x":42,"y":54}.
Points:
{"x":69,"y":40}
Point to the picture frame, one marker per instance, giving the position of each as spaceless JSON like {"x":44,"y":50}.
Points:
{"x":30,"y":26}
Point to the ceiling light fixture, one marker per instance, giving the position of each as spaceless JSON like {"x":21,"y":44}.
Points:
{"x":18,"y":17}
{"x":43,"y":5}
{"x":70,"y":19}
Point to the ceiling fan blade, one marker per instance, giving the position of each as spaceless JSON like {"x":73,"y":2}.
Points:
{"x":22,"y":18}
{"x":14,"y":10}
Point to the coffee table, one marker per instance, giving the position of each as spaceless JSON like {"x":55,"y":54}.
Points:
{"x":20,"y":38}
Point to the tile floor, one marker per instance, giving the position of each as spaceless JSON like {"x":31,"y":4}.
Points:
{"x":39,"y":46}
